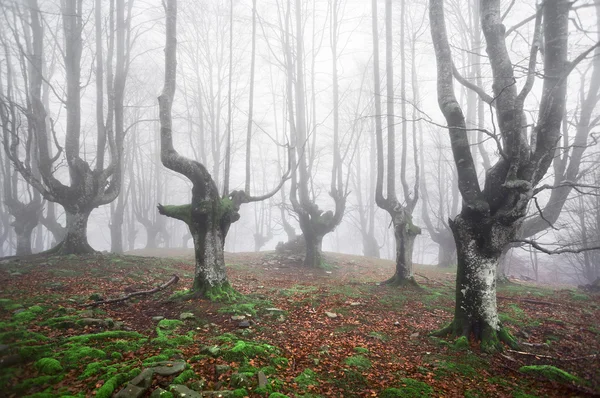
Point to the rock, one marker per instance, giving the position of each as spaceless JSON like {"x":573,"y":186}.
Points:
{"x":131,"y":391}
{"x":217,"y":394}
{"x":331,"y":315}
{"x":186,"y":315}
{"x":221,"y":369}
{"x":86,"y":314}
{"x":158,"y":318}
{"x":396,"y":323}
{"x":109,"y":322}
{"x":262,"y":379}
{"x":240,"y":380}
{"x":158,"y":393}
{"x":92,"y":321}
{"x":168,"y":368}
{"x":244,"y":325}
{"x":119,"y":325}
{"x":414,"y":335}
{"x":181,"y":391}
{"x":144,"y":379}
{"x":238,"y":317}
{"x":210,"y":350}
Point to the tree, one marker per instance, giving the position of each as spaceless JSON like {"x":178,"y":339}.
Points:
{"x":209,"y":215}
{"x":90,"y":185}
{"x":490,"y":217}
{"x":405,"y":231}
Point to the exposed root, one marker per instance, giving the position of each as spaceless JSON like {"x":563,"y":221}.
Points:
{"x":490,"y":340}
{"x":445,"y":331}
{"x":397,"y":281}
{"x":173,"y":280}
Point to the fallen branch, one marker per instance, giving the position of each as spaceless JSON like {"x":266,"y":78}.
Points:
{"x":553,"y":358}
{"x":172,"y":281}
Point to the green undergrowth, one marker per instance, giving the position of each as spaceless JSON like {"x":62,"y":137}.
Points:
{"x":168,"y":336}
{"x":409,"y":388}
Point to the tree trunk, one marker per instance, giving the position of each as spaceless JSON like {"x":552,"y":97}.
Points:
{"x":446,"y":253}
{"x":479,"y":244}
{"x":405,"y":233}
{"x":23,"y":240}
{"x":75,"y":241}
{"x":116,"y":230}
{"x":151,"y":234}
{"x":313,"y":255}
{"x":370,"y":246}
{"x":210,"y":260}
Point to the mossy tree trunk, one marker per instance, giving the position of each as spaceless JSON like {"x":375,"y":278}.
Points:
{"x":490,"y":217}
{"x":75,"y":241}
{"x":405,"y":233}
{"x":479,"y":245}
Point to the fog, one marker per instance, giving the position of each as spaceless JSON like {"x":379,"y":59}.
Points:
{"x":237,"y":109}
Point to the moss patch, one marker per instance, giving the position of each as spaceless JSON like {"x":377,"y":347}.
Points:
{"x":550,"y":372}
{"x":49,"y":366}
{"x":411,"y":388}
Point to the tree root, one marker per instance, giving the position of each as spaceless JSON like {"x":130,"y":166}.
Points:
{"x":172,"y":281}
{"x":397,"y":281}
{"x":490,"y":340}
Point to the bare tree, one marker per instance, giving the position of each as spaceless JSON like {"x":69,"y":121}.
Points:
{"x":405,"y":231}
{"x":89,"y":187}
{"x":490,"y":217}
{"x":210,"y":215}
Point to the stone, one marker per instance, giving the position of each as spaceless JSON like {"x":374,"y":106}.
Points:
{"x":144,"y":379}
{"x":210,"y":350}
{"x":244,"y":325}
{"x":262,"y":379}
{"x":168,"y":368}
{"x":240,"y":380}
{"x":119,"y":325}
{"x":414,"y":335}
{"x":92,"y":321}
{"x":396,"y":323}
{"x":86,"y":314}
{"x":131,"y":391}
{"x":331,"y":315}
{"x":238,"y":317}
{"x":221,"y":369}
{"x":158,"y":318}
{"x":186,"y":315}
{"x":159,"y":392}
{"x":181,"y":391}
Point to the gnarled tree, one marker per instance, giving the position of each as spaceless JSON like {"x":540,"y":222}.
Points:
{"x":490,"y":217}
{"x":209,"y":215}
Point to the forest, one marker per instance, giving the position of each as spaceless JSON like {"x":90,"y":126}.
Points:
{"x":299,"y":198}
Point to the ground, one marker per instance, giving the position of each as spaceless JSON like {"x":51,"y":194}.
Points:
{"x":376,"y":344}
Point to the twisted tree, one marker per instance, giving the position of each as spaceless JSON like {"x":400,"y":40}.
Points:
{"x":490,"y":217}
{"x":209,"y":215}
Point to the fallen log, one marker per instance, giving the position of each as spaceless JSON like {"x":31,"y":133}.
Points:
{"x":172,"y":281}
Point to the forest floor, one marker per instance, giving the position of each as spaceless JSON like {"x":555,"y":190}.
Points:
{"x":330,"y":332}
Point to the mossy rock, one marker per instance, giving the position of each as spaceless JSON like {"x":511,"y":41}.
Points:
{"x":550,"y":372}
{"x":49,"y":366}
{"x":358,"y":361}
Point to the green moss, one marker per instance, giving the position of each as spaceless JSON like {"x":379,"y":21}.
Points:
{"x":307,"y":378}
{"x":35,"y":351}
{"x":244,"y":350}
{"x":180,"y":212}
{"x":550,"y":372}
{"x":411,"y":389}
{"x":49,"y":366}
{"x":25,"y":316}
{"x":240,"y":393}
{"x":579,"y":296}
{"x":358,"y":361}
{"x":167,"y":325}
{"x":361,"y":350}
{"x":448,"y":368}
{"x":280,"y":362}
{"x":111,"y":334}
{"x":108,"y":388}
{"x":461,"y":344}
{"x":20,"y":336}
{"x":92,"y":369}
{"x":379,"y":336}
{"x":222,"y":293}
{"x":61,"y":322}
{"x":239,"y":308}
{"x":278,"y":395}
{"x":75,"y":353}
{"x":184,"y":377}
